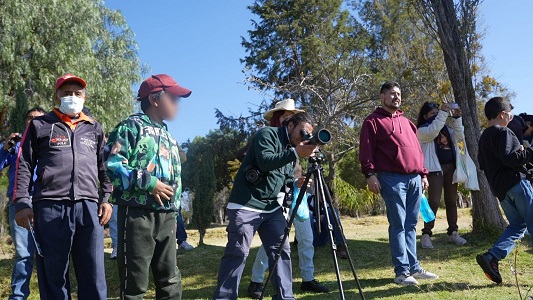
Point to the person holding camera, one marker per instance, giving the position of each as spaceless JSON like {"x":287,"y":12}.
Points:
{"x":261,"y":184}
{"x":65,"y":149}
{"x":439,"y":143}
{"x":393,"y":163}
{"x":282,"y":112}
{"x":24,"y":246}
{"x":500,"y":157}
{"x":145,"y":167}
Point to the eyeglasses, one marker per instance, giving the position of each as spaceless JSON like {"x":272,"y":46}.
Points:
{"x":433,"y":105}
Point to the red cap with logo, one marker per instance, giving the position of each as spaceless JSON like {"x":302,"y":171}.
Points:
{"x":69,"y":78}
{"x":162,"y":82}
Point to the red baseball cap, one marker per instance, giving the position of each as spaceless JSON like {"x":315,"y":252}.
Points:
{"x":160,"y":82}
{"x":68,"y":78}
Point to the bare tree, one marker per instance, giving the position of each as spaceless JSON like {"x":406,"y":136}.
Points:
{"x":337,"y":97}
{"x":455,"y":27}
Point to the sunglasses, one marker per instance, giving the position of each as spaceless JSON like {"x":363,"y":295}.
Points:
{"x":433,"y":105}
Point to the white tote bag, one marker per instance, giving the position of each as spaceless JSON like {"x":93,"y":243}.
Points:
{"x":466,"y":171}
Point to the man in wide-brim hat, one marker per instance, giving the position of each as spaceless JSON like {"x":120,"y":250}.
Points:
{"x":282,"y":107}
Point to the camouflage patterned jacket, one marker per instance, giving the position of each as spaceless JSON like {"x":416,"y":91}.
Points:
{"x":143,"y":151}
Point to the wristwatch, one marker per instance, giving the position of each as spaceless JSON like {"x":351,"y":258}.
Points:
{"x":368,"y":175}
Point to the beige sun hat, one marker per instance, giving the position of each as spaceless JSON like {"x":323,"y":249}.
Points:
{"x":285,"y":105}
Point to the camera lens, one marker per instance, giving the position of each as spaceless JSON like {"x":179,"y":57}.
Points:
{"x":323,"y":136}
{"x":252,"y":176}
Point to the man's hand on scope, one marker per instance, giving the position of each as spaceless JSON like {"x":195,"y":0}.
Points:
{"x":305,"y":149}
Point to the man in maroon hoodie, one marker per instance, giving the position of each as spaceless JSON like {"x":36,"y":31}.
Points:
{"x":393,"y":164}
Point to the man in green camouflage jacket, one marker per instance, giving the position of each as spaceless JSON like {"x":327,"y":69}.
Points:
{"x":144,"y":166}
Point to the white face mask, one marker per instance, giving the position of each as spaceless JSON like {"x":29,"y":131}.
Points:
{"x":71,"y":105}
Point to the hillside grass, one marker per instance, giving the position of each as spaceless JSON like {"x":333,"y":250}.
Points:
{"x":460,"y":276}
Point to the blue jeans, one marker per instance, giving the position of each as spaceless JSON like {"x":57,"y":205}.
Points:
{"x":306,"y":251}
{"x":23,"y":264}
{"x":518,"y":208}
{"x":113,"y":226}
{"x":402,"y":194}
{"x":181,"y":234}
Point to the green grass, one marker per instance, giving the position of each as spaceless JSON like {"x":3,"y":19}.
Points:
{"x":461,"y":278}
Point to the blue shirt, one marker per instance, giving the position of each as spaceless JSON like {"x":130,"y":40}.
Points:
{"x":9,"y":160}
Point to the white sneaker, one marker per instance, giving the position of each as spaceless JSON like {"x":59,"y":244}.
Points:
{"x":186,"y":246}
{"x":423,"y":274}
{"x":114,"y":253}
{"x":425,"y":241}
{"x":405,"y":280}
{"x":456,"y":239}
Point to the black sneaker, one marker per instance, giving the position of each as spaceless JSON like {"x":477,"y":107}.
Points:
{"x":489,"y":264}
{"x":313,"y":286}
{"x":254,"y":290}
{"x":342,"y":252}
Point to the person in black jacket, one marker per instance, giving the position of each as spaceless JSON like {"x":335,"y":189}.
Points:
{"x":68,"y":212}
{"x":500,"y":157}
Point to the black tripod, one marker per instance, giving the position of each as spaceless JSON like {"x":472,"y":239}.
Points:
{"x":322,"y":199}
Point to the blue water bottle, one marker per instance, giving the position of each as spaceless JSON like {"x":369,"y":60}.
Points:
{"x":425,"y":210}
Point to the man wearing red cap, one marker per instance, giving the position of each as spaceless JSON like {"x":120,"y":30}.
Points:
{"x":66,"y":146}
{"x":145,"y":167}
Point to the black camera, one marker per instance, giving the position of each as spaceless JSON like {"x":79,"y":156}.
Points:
{"x":12,"y":142}
{"x":320,"y":137}
{"x":253,"y":175}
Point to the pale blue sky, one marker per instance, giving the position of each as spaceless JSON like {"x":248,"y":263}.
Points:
{"x":198,"y":43}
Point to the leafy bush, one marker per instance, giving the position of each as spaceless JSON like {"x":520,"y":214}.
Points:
{"x":357,"y":202}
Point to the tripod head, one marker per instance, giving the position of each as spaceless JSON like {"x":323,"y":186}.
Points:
{"x":318,"y":158}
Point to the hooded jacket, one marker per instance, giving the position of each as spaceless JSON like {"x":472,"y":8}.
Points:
{"x":69,"y":160}
{"x":389,"y":143}
{"x":427,"y":134}
{"x":143,"y":151}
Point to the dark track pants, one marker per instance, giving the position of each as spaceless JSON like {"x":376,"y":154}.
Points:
{"x":67,"y":229}
{"x":147,"y":239}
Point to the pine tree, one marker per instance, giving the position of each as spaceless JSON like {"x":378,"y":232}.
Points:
{"x":200,"y":173}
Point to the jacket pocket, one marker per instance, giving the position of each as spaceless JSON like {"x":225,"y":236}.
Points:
{"x":87,"y":176}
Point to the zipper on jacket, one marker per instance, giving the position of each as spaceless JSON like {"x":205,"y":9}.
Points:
{"x":74,"y":175}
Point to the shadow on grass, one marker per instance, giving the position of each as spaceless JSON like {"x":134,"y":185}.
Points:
{"x":6,"y":266}
{"x":477,"y":244}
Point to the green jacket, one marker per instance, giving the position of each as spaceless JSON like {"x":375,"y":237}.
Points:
{"x":272,"y":153}
{"x":141,"y":152}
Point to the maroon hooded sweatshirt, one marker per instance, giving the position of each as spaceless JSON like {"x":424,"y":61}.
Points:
{"x":389,"y":143}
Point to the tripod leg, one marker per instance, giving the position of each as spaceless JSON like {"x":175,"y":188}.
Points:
{"x":339,"y":227}
{"x":286,"y":235}
{"x":321,"y":197}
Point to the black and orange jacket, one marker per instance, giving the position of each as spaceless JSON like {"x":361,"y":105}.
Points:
{"x":69,"y":157}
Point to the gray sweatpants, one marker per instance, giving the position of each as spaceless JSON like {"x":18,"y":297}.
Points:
{"x":241,"y":229}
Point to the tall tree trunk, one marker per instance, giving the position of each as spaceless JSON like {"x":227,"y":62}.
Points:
{"x":486,"y":211}
{"x":330,"y":179}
